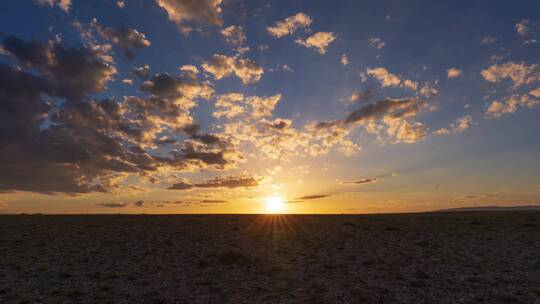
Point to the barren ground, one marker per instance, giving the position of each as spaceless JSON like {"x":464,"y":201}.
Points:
{"x":489,"y":257}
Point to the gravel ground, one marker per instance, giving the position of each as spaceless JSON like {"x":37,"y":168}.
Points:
{"x":489,"y":257}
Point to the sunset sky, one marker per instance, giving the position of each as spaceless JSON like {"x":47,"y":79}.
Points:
{"x":230,"y":106}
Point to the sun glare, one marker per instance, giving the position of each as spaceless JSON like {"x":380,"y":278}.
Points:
{"x":274,"y":204}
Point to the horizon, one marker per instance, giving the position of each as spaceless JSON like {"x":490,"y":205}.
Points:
{"x":259,"y":107}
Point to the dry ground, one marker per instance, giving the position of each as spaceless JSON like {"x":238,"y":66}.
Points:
{"x":410,"y":258}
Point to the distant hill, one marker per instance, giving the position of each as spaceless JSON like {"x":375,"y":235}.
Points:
{"x":490,"y":208}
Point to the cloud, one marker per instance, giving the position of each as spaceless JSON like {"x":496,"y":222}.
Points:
{"x":453,"y":72}
{"x":142,"y":72}
{"x":312,"y":197}
{"x":234,"y":35}
{"x":139,"y":203}
{"x":384,"y":116}
{"x":360,"y":96}
{"x":289,"y":25}
{"x":386,"y":108}
{"x":128,"y":39}
{"x":89,"y":145}
{"x":535,"y":92}
{"x":460,"y":126}
{"x":113,"y":205}
{"x":201,"y":11}
{"x":64,"y":5}
{"x":362,"y":181}
{"x":213,"y":201}
{"x":319,"y":41}
{"x":519,"y":73}
{"x":121,"y":3}
{"x":221,"y":66}
{"x":231,"y":182}
{"x":181,"y":185}
{"x":489,"y":40}
{"x":497,"y":109}
{"x":73,"y":71}
{"x":344,"y":60}
{"x":376,"y":43}
{"x":387,"y":79}
{"x":523,"y":27}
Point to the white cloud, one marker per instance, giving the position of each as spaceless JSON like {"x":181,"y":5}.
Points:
{"x":234,"y":35}
{"x":200,"y":11}
{"x":519,"y":73}
{"x":453,"y":72}
{"x":319,"y":41}
{"x":388,"y":79}
{"x":289,"y":25}
{"x":496,"y":109}
{"x":222,"y":66}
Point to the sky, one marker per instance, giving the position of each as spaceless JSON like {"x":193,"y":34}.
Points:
{"x":231,"y":106}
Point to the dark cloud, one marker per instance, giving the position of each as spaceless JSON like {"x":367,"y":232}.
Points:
{"x":312,"y":197}
{"x":181,"y":185}
{"x":139,"y":203}
{"x":70,"y":72}
{"x":393,"y":108}
{"x":128,"y":39}
{"x":113,"y":205}
{"x":362,"y":181}
{"x":55,"y":139}
{"x":231,"y":182}
{"x":211,"y":201}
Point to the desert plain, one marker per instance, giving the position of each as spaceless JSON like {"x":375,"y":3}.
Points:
{"x":463,"y":257}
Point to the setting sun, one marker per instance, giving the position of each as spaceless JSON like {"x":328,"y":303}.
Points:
{"x":274,"y":204}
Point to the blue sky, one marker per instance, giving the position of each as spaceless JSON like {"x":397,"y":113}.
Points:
{"x":453,"y":109}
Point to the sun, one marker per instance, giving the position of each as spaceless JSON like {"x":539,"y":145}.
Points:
{"x":274,"y":204}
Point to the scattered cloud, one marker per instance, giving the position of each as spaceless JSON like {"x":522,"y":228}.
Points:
{"x":221,"y":66}
{"x":206,"y":12}
{"x":64,"y":5}
{"x":142,"y":72}
{"x":453,"y":72}
{"x":387,"y":79}
{"x":362,"y":181}
{"x":376,"y":43}
{"x":128,"y":39}
{"x":319,"y":41}
{"x":460,"y":126}
{"x":523,"y":27}
{"x":121,"y":3}
{"x":489,"y":40}
{"x":344,"y":60}
{"x":497,"y":108}
{"x":234,"y":35}
{"x":289,"y":25}
{"x":360,"y":96}
{"x":519,"y":73}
